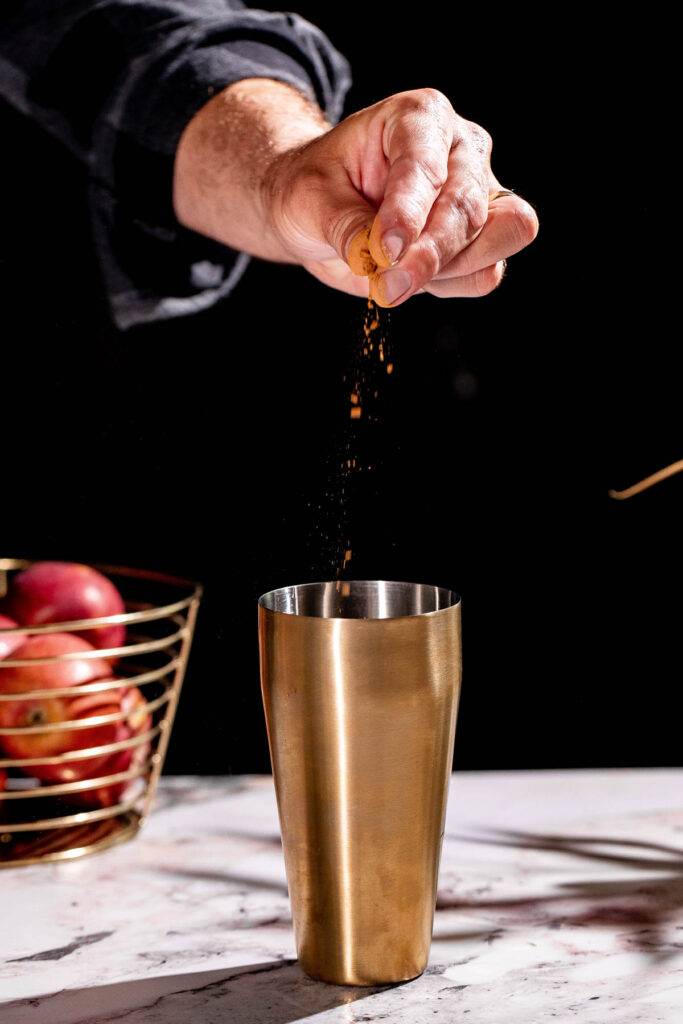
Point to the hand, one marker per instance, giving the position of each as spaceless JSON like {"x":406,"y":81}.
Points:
{"x":421,"y":176}
{"x":259,"y":169}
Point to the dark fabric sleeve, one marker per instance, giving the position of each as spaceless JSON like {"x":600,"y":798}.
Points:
{"x":117,"y":81}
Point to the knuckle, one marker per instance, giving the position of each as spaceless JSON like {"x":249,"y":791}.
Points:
{"x":426,"y":96}
{"x":425,"y":165}
{"x":477,"y":137}
{"x":435,"y":100}
{"x":434,"y":170}
{"x":405,"y":211}
{"x":427,"y":99}
{"x":428,"y":263}
{"x":471,"y":204}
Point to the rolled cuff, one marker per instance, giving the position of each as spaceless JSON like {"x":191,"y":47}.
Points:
{"x":153,"y":268}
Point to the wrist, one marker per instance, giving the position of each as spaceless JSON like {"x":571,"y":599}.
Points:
{"x":232,"y":160}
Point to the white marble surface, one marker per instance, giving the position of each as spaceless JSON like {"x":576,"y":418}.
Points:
{"x":560,"y":899}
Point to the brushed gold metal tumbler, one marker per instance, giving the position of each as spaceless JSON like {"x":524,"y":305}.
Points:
{"x":360,"y":687}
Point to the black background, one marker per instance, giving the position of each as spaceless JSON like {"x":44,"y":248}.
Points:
{"x":210,"y":447}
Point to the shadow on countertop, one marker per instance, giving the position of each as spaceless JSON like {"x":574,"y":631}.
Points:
{"x":639,"y":909}
{"x":278,"y":992}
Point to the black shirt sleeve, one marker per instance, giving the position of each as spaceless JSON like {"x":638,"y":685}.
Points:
{"x":117,"y":81}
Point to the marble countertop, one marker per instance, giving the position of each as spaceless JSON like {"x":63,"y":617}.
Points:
{"x":560,"y":899}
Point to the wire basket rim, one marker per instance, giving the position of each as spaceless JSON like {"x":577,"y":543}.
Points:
{"x":153,"y":611}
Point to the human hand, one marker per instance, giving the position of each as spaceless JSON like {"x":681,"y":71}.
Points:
{"x":258,"y":168}
{"x":420,"y":176}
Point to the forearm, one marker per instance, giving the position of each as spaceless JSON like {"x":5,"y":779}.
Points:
{"x":227,"y":157}
{"x":150,"y":65}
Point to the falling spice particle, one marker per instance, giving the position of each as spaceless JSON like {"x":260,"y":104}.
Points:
{"x":390,"y":367}
{"x":363,"y":394}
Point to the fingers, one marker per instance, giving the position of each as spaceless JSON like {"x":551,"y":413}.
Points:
{"x":478,"y":269}
{"x":510,"y":226}
{"x":344,"y":220}
{"x":455,"y":219}
{"x":475,"y":269}
{"x":322,"y":214}
{"x":435,"y":199}
{"x":415,"y":177}
{"x":472,"y":286}
{"x":416,"y":140}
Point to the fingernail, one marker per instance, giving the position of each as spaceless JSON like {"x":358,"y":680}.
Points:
{"x":393,"y":244}
{"x":392,"y":284}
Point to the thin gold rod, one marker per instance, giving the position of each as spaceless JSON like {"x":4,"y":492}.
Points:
{"x":86,"y":723}
{"x":97,"y":687}
{"x":649,"y":481}
{"x":77,"y":625}
{"x":47,"y":849}
{"x":78,"y":787}
{"x":83,"y":753}
{"x":67,"y":820}
{"x":148,"y":647}
{"x":170,"y":711}
{"x":147,"y":614}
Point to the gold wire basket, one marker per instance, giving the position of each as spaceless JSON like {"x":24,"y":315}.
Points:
{"x":44,"y":821}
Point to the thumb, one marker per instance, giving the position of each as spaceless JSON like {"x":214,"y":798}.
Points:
{"x":345,"y":219}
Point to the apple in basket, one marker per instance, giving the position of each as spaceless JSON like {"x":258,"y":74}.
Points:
{"x":9,"y":643}
{"x":54,"y":708}
{"x":64,"y":591}
{"x":138,"y":720}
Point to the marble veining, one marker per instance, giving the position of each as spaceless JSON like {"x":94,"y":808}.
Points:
{"x":560,"y":899}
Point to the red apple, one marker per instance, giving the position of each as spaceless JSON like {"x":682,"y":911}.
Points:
{"x":138,"y":722}
{"x":44,"y":710}
{"x":64,"y":591}
{"x":90,"y":705}
{"x":8,"y":643}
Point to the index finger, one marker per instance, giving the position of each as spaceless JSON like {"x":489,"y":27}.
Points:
{"x":417,"y":139}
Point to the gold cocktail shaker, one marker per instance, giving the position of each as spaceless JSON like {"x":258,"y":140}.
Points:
{"x":360,"y":687}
